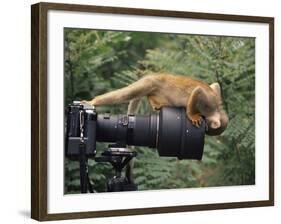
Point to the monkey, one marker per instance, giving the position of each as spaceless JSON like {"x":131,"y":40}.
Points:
{"x":199,"y":98}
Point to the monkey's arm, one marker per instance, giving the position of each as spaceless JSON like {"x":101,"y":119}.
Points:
{"x":192,"y":111}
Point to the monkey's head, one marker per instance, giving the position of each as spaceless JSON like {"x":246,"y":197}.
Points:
{"x":211,"y":109}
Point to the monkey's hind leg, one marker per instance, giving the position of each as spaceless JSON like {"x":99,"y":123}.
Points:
{"x":133,"y":106}
{"x":132,"y":109}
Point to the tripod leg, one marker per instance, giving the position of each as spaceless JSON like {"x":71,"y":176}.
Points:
{"x":129,"y":171}
{"x":83,"y":169}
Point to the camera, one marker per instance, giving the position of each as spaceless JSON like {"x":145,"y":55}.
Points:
{"x":169,"y":131}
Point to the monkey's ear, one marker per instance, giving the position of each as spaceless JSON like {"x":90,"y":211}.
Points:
{"x":216,"y":87}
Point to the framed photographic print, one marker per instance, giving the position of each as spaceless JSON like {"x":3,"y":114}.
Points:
{"x":139,"y":111}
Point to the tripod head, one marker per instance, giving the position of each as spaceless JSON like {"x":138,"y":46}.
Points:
{"x":118,"y":157}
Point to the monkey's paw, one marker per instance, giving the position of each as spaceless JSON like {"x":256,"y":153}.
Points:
{"x":90,"y":102}
{"x":195,"y":119}
{"x":86,"y":102}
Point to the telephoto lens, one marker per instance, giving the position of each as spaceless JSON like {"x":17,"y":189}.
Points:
{"x":169,"y":131}
{"x":135,"y":130}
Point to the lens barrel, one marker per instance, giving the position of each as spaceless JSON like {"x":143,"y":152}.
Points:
{"x":169,"y":131}
{"x":128,"y":129}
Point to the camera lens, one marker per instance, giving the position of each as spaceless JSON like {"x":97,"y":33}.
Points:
{"x":127,"y":129}
{"x":169,"y":131}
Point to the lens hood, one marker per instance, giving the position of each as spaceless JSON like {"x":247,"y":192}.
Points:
{"x":177,"y":136}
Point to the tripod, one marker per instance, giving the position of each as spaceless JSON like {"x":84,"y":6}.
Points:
{"x":118,"y":157}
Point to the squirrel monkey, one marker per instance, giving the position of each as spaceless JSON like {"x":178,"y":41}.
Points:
{"x":199,"y":98}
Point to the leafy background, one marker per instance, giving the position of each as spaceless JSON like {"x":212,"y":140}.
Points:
{"x":100,"y":61}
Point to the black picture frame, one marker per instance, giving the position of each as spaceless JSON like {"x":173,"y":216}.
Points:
{"x":39,"y":108}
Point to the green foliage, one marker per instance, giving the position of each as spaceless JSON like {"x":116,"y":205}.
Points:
{"x":99,"y":61}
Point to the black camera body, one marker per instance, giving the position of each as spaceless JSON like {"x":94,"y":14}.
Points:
{"x":81,"y":123}
{"x":169,"y":131}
